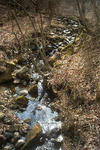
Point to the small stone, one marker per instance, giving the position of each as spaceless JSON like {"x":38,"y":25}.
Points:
{"x":19,"y":143}
{"x":2,"y":115}
{"x":23,"y":92}
{"x":16,"y":135}
{"x":16,"y":81}
{"x":60,"y":139}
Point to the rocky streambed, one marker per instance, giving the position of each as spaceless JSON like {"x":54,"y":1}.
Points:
{"x":39,"y":113}
{"x":25,"y":108}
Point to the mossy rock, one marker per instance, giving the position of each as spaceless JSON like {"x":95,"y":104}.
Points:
{"x":54,"y":58}
{"x":21,"y":100}
{"x":33,"y":90}
{"x":57,"y":63}
{"x":6,"y":68}
{"x":32,"y":137}
{"x":21,"y":73}
{"x":68,"y":50}
{"x":77,"y":39}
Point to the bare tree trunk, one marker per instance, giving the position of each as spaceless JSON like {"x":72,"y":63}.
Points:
{"x":83,"y":19}
{"x":96,"y":12}
{"x":42,"y":53}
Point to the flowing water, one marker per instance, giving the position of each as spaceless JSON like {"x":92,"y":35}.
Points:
{"x":39,"y":109}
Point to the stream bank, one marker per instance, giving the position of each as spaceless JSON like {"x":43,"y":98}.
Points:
{"x":28,"y":98}
{"x":76,"y":80}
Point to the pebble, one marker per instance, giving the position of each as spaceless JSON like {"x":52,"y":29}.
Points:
{"x":23,"y":92}
{"x":19,"y":143}
{"x":2,"y":115}
{"x":16,"y":135}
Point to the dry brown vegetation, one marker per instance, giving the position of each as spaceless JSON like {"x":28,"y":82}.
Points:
{"x":75,"y":80}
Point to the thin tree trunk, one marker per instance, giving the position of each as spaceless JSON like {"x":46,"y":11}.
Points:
{"x":96,"y":12}
{"x":82,"y":18}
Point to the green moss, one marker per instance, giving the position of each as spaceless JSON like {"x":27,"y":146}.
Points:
{"x":57,"y":63}
{"x":33,"y":90}
{"x":32,"y":136}
{"x":21,"y":100}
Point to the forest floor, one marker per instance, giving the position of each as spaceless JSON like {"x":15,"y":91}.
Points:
{"x":75,"y":79}
{"x":76,"y":82}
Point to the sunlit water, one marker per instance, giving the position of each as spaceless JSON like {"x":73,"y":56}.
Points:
{"x":39,"y":109}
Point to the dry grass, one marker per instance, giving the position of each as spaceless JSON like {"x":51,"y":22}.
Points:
{"x":75,"y":81}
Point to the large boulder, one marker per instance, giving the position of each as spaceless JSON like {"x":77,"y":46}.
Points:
{"x":33,"y":90}
{"x":21,"y":74}
{"x":32,"y":137}
{"x":6,"y":68}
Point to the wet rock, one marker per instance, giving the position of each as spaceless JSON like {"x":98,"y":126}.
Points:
{"x":20,"y":75}
{"x":23,"y":92}
{"x":2,"y":115}
{"x":21,"y":100}
{"x":28,"y":121}
{"x":32,"y":136}
{"x":33,"y":90}
{"x":6,"y":68}
{"x":16,"y":135}
{"x":20,"y":143}
{"x":58,"y":140}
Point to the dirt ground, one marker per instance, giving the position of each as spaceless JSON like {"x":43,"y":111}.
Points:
{"x":74,"y":80}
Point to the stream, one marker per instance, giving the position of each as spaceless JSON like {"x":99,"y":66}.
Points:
{"x":39,"y":109}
